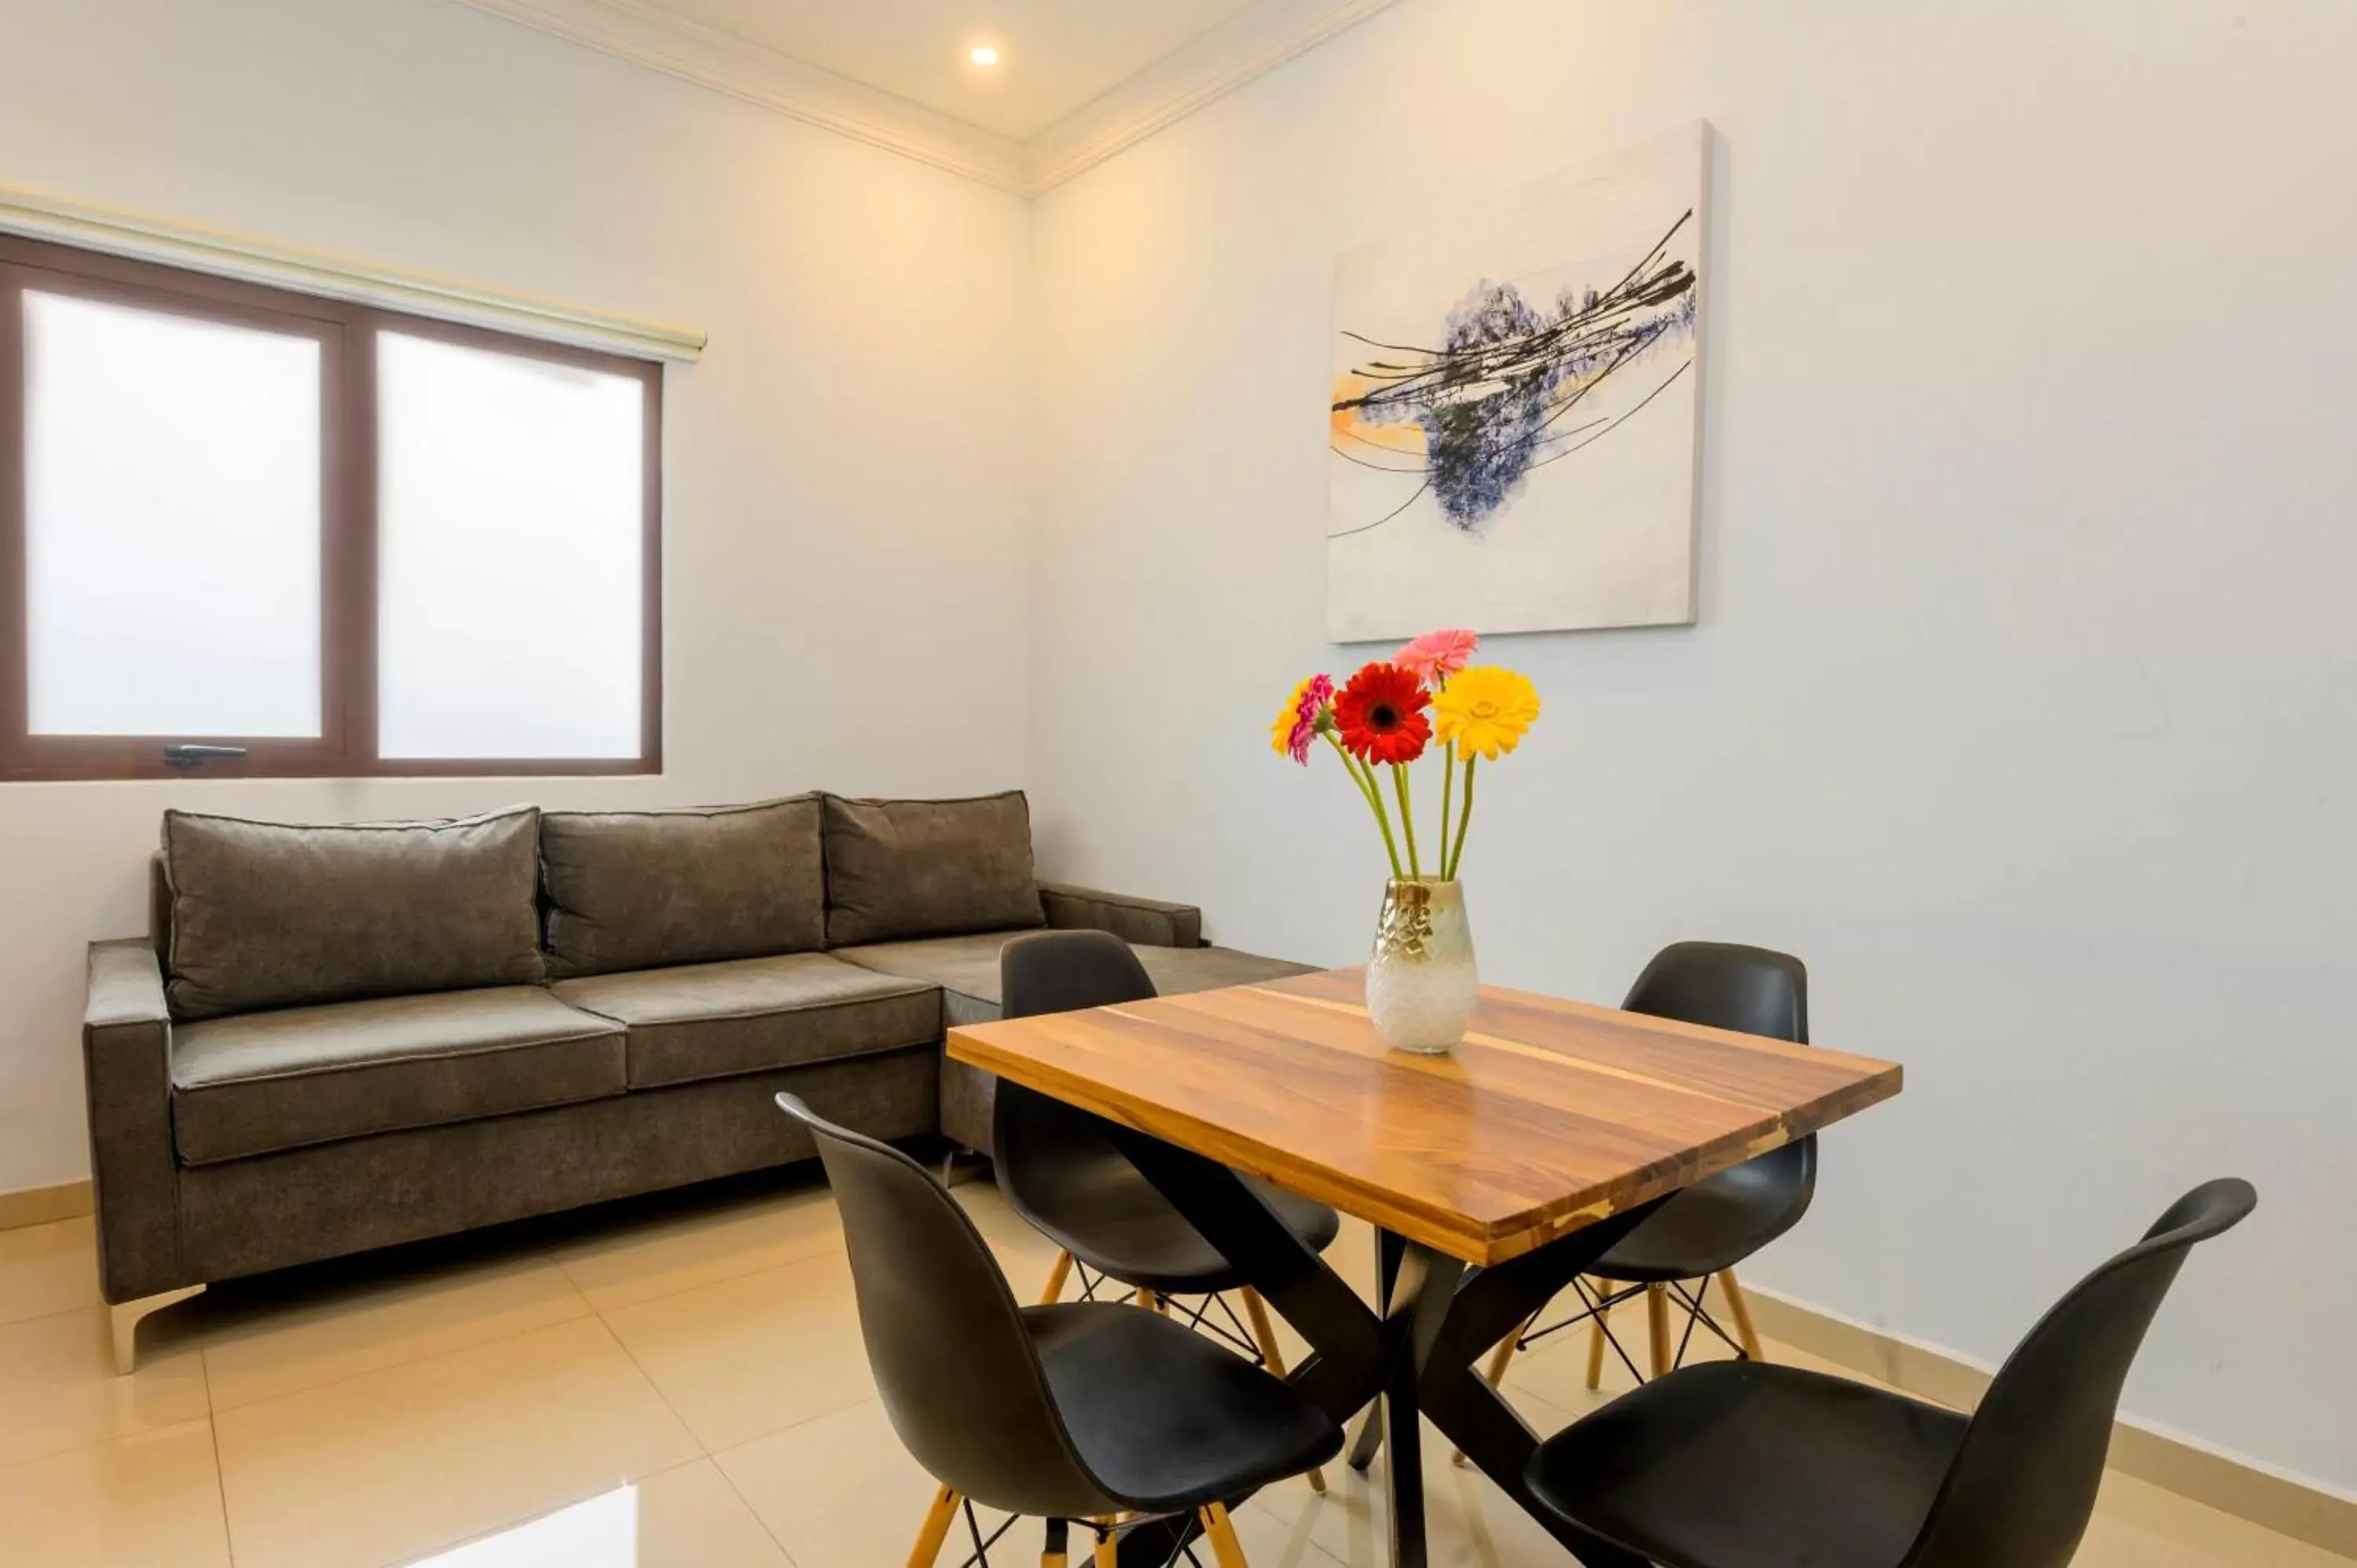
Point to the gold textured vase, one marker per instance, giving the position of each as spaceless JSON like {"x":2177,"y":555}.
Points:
{"x":1421,"y":982}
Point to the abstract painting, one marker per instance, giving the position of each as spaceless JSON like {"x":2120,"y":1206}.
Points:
{"x":1516,"y":408}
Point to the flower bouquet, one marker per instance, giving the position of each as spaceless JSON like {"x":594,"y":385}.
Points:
{"x":1421,"y":982}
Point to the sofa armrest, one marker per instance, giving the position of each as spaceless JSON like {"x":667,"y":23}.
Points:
{"x":126,"y":1051}
{"x":1148,"y":923}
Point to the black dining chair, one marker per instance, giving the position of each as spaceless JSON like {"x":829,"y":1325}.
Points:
{"x":1741,"y":1464}
{"x":1078,"y":1412}
{"x":1063,"y":1176}
{"x":1695,"y":1240}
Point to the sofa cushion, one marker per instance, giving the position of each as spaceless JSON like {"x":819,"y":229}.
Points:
{"x":274,"y":915}
{"x":897,"y":869}
{"x":966,"y":969}
{"x":311,"y":1075}
{"x":631,"y":890}
{"x":713,"y":1020}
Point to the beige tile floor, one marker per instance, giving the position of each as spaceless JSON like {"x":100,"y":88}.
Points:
{"x":672,"y":1384}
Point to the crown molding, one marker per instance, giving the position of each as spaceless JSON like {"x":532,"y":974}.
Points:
{"x":648,"y":36}
{"x":1246,"y":45}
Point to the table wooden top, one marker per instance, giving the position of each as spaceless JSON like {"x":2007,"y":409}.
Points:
{"x":1548,"y":1116}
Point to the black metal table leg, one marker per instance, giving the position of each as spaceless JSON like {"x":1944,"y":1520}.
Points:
{"x":1420,"y":1355}
{"x":1388,"y":1251}
{"x":1421,"y":1295}
{"x":1488,"y":1305}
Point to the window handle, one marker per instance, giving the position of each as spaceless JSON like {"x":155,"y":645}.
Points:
{"x":186,"y":756}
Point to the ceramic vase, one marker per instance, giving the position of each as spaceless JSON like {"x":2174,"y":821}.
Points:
{"x":1421,"y":980}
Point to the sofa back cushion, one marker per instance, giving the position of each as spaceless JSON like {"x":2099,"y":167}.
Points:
{"x":896,"y":869}
{"x":650,"y":889}
{"x":274,"y":915}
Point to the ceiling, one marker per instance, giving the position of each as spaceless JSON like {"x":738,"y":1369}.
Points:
{"x":1054,"y":55}
{"x":1077,"y":80}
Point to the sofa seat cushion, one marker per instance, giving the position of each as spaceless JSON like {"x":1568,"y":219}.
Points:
{"x":966,"y":969}
{"x":715,"y":1020}
{"x":264,"y":1081}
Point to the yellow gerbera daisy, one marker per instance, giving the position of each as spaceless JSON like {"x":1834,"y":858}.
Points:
{"x":1303,"y":715}
{"x":1485,"y":710}
{"x":1280,"y":734}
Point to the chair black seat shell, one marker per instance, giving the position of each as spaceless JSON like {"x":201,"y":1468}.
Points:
{"x":1741,"y":1464}
{"x":1721,"y":1221}
{"x":1073,"y":1411}
{"x":1063,"y":1174}
{"x":1213,"y":1425}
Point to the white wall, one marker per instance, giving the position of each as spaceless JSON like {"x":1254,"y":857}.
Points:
{"x":2019,"y":703}
{"x":844,"y":573}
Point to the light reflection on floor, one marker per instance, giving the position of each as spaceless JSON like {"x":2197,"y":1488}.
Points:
{"x":602,"y":1532}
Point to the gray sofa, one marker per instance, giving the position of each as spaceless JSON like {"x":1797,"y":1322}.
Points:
{"x":342,"y":1037}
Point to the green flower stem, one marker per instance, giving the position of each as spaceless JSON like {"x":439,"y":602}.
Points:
{"x":1464,"y":821}
{"x":1367,"y":790}
{"x":1448,"y":778}
{"x":1408,"y":818}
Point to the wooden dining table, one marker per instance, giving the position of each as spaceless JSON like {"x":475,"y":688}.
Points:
{"x":1493,"y":1175}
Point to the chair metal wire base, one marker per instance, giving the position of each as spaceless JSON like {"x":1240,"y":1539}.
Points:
{"x":1233,"y":1334}
{"x":1596,"y":1307}
{"x":1182,"y":1549}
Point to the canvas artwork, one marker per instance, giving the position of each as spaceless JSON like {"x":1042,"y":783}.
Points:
{"x":1516,"y":420}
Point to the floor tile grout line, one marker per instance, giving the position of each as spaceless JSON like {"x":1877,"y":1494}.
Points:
{"x":97,"y":1307}
{"x":502,"y":1526}
{"x":738,"y":1493}
{"x":710,"y":1455}
{"x":220,"y":1472}
{"x":638,"y":1366}
{"x":735,"y":1491}
{"x":306,"y":1388}
{"x":683,"y":1290}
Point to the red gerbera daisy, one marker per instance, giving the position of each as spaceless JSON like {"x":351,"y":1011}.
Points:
{"x":1381,"y":715}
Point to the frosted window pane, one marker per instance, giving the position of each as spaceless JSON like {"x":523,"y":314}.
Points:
{"x":171,"y":524}
{"x":509,"y":535}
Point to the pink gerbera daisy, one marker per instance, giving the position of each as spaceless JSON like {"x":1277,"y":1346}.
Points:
{"x":1310,"y":701}
{"x":1436,"y":655}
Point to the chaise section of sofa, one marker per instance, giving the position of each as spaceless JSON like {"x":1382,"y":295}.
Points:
{"x":967,"y":970}
{"x":343,"y":1037}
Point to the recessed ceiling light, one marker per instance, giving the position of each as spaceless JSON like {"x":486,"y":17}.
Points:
{"x":984,"y":55}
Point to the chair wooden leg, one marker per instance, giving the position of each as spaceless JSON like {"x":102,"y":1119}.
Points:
{"x":1108,"y":1552}
{"x":936,"y":1529}
{"x":1264,"y":1333}
{"x":1226,"y":1549}
{"x":1740,"y":1310}
{"x":1060,"y":1271}
{"x":1657,"y":1322}
{"x":1595,"y":1333}
{"x":1056,"y":1552}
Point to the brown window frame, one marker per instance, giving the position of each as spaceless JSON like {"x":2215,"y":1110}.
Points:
{"x":346,"y":747}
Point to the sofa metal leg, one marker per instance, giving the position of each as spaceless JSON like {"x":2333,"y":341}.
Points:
{"x":122,"y":1319}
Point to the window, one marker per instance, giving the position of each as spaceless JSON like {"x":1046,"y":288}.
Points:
{"x":266,"y":534}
